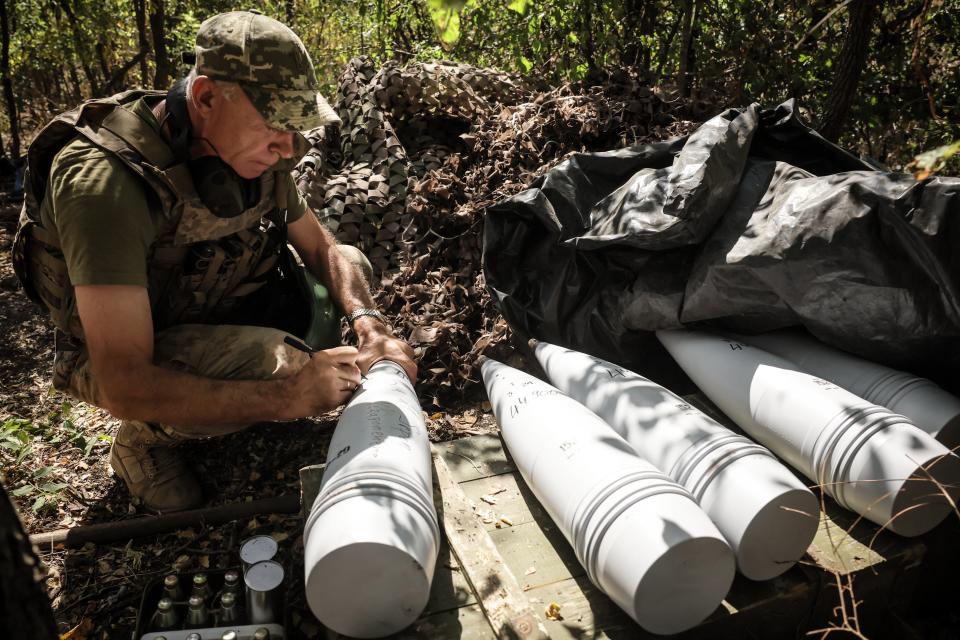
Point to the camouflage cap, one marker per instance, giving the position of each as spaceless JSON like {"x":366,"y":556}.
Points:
{"x":270,"y":63}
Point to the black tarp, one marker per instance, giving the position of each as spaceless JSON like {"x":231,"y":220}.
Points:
{"x":754,"y":222}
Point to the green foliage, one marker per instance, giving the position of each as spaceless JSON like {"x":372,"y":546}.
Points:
{"x":446,"y":16}
{"x":935,"y":160}
{"x":16,"y":436}
{"x":44,"y":491}
{"x":741,"y":51}
{"x":21,"y":439}
{"x":62,"y":428}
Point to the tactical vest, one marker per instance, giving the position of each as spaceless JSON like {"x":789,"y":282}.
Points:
{"x":200,"y":267}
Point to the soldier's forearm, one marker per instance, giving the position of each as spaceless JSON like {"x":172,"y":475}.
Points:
{"x":160,"y":395}
{"x":346,"y":284}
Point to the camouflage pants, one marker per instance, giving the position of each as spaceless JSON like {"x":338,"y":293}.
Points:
{"x":222,"y":352}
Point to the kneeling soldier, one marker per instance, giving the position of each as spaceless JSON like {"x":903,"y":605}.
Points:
{"x":155,"y":230}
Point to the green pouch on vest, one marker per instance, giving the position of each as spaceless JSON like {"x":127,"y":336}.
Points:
{"x":323,"y":332}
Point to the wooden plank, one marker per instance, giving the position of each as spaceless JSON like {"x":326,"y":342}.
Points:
{"x":462,"y":623}
{"x":846,"y":543}
{"x":475,"y":457}
{"x":547,"y":553}
{"x":504,"y":495}
{"x":450,"y":589}
{"x":746,"y":595}
{"x":500,"y":596}
{"x":311,"y":477}
{"x":532,"y":545}
{"x":585,"y":612}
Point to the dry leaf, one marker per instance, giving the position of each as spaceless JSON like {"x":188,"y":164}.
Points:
{"x":423,"y":335}
{"x":553,"y":612}
{"x":489,"y":497}
{"x":80,"y":631}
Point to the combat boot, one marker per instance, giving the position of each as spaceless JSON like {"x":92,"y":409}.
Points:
{"x":154,"y":471}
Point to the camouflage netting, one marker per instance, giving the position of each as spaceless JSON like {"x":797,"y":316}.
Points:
{"x":423,"y":151}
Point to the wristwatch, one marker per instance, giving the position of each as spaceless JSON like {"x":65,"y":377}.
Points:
{"x":366,"y":312}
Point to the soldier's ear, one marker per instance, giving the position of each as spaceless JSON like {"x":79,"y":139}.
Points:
{"x":203,"y":95}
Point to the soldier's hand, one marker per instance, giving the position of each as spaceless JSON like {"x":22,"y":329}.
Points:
{"x":327,"y":380}
{"x":382,"y":345}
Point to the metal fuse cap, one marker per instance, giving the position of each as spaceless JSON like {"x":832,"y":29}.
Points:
{"x":257,"y":549}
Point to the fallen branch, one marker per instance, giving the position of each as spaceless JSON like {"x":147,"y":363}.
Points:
{"x":120,"y":73}
{"x":152,"y":525}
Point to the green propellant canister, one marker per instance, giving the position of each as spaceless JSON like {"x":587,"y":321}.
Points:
{"x":229,"y":613}
{"x":197,"y":615}
{"x":165,"y":616}
{"x":231,"y":583}
{"x":171,"y":588}
{"x":201,"y":586}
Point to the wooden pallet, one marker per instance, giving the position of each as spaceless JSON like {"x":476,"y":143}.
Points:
{"x":504,"y":561}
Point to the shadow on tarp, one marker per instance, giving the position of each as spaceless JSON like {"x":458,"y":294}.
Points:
{"x":754,"y":222}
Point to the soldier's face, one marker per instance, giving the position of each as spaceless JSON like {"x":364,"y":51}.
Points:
{"x":241,"y":136}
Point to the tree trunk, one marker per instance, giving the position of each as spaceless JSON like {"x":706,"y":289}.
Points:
{"x":849,"y":66}
{"x":74,"y":81}
{"x":111,"y":84}
{"x":586,"y":34}
{"x":666,"y":46}
{"x":104,"y":67}
{"x":157,"y":25}
{"x":648,"y":26}
{"x":638,"y":17}
{"x":7,"y":81}
{"x":24,"y":606}
{"x":140,"y":11}
{"x":685,"y":45}
{"x":78,"y":42}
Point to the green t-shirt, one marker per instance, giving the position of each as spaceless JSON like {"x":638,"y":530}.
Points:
{"x":105,"y":216}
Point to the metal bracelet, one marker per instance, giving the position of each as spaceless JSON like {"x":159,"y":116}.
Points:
{"x":357,"y":313}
